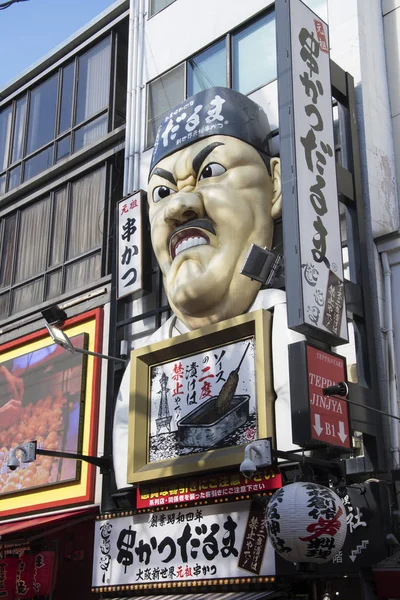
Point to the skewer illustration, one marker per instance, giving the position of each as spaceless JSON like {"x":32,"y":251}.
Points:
{"x":228,"y":390}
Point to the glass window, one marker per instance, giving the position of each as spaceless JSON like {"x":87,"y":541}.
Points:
{"x":33,"y":240}
{"x":42,"y":114}
{"x":19,"y":129}
{"x":5,"y":130}
{"x":63,"y":147}
{"x":67,"y":90}
{"x":207,"y":69}
{"x":54,"y":284}
{"x":14,"y":178}
{"x":60,"y":212}
{"x":8,"y":251}
{"x":27,"y":296}
{"x":256,"y":40}
{"x":82,"y":272}
{"x":93,"y":81}
{"x":4,"y":305}
{"x":37,"y":240}
{"x":38,"y":163}
{"x":157,"y":5}
{"x":121,"y":78}
{"x":90,"y":133}
{"x":163,"y":94}
{"x":3,"y":184}
{"x":86,"y":222}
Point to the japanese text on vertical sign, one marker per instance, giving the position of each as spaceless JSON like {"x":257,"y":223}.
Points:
{"x":129,"y":245}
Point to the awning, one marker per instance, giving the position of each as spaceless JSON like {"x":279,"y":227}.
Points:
{"x":29,"y":529}
{"x":266,"y":595}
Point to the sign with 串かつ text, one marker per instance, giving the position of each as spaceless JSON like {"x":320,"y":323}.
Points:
{"x":181,"y":546}
{"x":132,"y":268}
{"x":313,"y":253}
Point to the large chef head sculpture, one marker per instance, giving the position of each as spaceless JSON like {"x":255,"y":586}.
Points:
{"x":213,"y":191}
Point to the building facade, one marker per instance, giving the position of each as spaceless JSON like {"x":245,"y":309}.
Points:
{"x":77,"y":132}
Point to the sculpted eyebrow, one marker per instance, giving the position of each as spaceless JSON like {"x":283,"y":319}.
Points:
{"x":202,"y":155}
{"x":165,"y":174}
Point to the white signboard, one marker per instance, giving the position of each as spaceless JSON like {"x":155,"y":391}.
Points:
{"x":129,"y":245}
{"x":187,"y":412}
{"x":182,"y":545}
{"x":313,"y":253}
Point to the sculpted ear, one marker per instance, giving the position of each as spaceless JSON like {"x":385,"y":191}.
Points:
{"x":276,"y":205}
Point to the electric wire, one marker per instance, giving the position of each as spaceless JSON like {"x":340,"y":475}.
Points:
{"x":5,"y":5}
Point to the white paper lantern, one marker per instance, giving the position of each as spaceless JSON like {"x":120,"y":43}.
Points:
{"x":306,"y":522}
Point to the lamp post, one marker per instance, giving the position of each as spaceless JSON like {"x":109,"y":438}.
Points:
{"x":55,"y":318}
{"x":29,"y":451}
{"x":61,"y":339}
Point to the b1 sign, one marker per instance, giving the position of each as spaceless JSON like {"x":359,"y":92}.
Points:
{"x":317,"y":418}
{"x":313,"y":253}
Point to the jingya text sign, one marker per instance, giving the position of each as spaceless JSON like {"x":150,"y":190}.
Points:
{"x":313,"y":254}
{"x":317,"y":418}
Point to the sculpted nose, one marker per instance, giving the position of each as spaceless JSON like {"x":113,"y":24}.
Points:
{"x":183,"y":206}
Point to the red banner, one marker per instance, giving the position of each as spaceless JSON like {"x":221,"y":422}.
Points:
{"x":24,"y":582}
{"x":44,"y":565}
{"x":28,"y":576}
{"x":8,"y":577}
{"x":207,"y":487}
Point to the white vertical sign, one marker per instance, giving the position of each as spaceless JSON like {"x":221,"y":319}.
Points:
{"x":129,"y":245}
{"x":313,"y":252}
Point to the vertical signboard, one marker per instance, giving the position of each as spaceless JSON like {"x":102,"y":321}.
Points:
{"x":131,"y":264}
{"x":312,"y":242}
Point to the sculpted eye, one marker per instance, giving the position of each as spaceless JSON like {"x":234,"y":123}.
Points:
{"x":160,"y":192}
{"x":212,"y":170}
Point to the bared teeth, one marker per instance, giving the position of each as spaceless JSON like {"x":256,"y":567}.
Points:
{"x":190,"y":242}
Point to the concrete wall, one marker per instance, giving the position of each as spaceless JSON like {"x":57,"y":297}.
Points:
{"x":391,"y":25}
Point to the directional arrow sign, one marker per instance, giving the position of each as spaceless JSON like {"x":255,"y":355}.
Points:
{"x":317,"y":425}
{"x":341,"y":433}
{"x":328,"y":415}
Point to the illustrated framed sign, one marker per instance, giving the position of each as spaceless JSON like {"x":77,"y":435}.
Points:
{"x":49,"y":395}
{"x":199,"y":398}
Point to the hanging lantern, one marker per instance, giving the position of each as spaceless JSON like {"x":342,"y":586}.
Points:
{"x":306,"y":522}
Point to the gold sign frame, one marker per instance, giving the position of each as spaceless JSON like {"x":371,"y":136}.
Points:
{"x":257,"y":324}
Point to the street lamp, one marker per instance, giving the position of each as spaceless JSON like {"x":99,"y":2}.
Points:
{"x":54,"y":318}
{"x":29,"y":451}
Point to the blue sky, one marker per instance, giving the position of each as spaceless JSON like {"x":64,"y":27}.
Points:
{"x":29,"y":30}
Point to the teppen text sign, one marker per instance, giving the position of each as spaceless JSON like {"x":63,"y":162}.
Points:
{"x":328,"y":415}
{"x":317,"y":418}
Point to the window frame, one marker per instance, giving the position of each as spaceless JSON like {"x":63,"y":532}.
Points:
{"x":111,"y":35}
{"x":8,"y":291}
{"x":152,"y":13}
{"x":229,"y":65}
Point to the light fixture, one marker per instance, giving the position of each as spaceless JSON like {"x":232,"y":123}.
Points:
{"x":262,"y":265}
{"x":55,"y":317}
{"x":29,"y":450}
{"x":256,"y":454}
{"x":339,"y":389}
